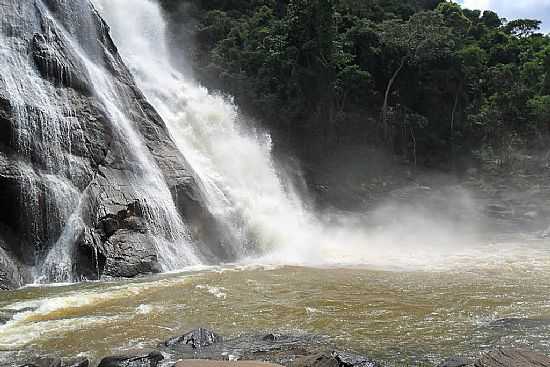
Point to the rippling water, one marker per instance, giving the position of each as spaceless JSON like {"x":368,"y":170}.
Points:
{"x":411,"y":315}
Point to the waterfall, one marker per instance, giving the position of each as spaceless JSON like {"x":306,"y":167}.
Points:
{"x":171,"y":238}
{"x":82,"y":158}
{"x":49,"y":172}
{"x":242,"y":183}
{"x":43,"y":124}
{"x":235,"y":165}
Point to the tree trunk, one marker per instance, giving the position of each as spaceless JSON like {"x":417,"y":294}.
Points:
{"x":453,"y":116}
{"x":387,"y":95}
{"x":414,"y":145}
{"x":455,"y":105}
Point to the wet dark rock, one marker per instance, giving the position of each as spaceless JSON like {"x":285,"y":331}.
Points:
{"x":507,"y":357}
{"x":129,"y":254}
{"x":352,"y":360}
{"x":316,"y":360}
{"x":334,"y":359}
{"x":54,"y":362}
{"x":58,"y":362}
{"x":455,"y":362}
{"x":79,"y":362}
{"x":196,"y":339}
{"x":6,"y":315}
{"x":271,"y":337}
{"x":44,"y":362}
{"x":12,"y":274}
{"x":55,"y":65}
{"x":115,"y":237}
{"x":305,"y":350}
{"x":4,"y":318}
{"x":150,"y":360}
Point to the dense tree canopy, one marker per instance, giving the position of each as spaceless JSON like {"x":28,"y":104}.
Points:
{"x":426,"y":79}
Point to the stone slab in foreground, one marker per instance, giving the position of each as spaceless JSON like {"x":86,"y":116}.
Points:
{"x":504,"y":357}
{"x":209,"y":363}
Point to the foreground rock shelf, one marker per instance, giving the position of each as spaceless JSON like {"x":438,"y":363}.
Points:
{"x":204,"y":348}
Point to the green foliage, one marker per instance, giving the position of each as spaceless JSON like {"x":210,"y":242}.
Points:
{"x":523,"y":27}
{"x":319,"y":72}
{"x":539,"y":107}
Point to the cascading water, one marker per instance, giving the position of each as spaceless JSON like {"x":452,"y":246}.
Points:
{"x":242,"y":186}
{"x":235,"y":170}
{"x":171,"y":238}
{"x":240,"y":179}
{"x":43,"y":125}
{"x":46,"y":125}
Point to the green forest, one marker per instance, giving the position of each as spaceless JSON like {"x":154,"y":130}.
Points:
{"x":434,"y":84}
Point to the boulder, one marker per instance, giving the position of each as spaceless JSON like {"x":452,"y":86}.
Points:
{"x":316,"y":360}
{"x":78,"y":362}
{"x":271,"y":337}
{"x":334,"y":359}
{"x":210,"y":363}
{"x":196,"y":339}
{"x":128,"y":254}
{"x":150,"y":360}
{"x":353,"y":360}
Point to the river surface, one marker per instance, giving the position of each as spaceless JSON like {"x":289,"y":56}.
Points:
{"x":414,"y":315}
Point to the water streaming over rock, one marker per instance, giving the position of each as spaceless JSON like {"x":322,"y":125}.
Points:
{"x":102,"y":178}
{"x":43,"y":124}
{"x":243,"y":185}
{"x":234,"y":163}
{"x":63,"y":85}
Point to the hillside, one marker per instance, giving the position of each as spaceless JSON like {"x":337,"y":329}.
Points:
{"x":428,"y":82}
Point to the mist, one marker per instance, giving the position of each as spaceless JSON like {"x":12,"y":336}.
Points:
{"x":417,"y":221}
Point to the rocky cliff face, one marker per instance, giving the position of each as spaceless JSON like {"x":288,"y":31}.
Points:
{"x":90,"y":183}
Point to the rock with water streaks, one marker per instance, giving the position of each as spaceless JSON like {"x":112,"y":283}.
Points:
{"x":79,"y":144}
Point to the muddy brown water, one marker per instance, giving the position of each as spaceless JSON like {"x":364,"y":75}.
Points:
{"x":411,"y":316}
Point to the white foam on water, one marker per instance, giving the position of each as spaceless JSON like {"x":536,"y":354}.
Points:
{"x":31,"y":319}
{"x":218,"y":292}
{"x":15,"y":334}
{"x":244,"y":189}
{"x":235,"y":166}
{"x":144,"y":309}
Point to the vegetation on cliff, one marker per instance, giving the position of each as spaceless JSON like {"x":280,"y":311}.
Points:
{"x":426,"y":79}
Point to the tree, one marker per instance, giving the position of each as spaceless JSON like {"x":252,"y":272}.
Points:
{"x":448,"y":80}
{"x":454,"y":17}
{"x":491,"y":19}
{"x":523,"y":27}
{"x":424,"y":37}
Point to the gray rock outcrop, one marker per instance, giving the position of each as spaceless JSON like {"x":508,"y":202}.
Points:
{"x":510,"y":357}
{"x":90,"y":183}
